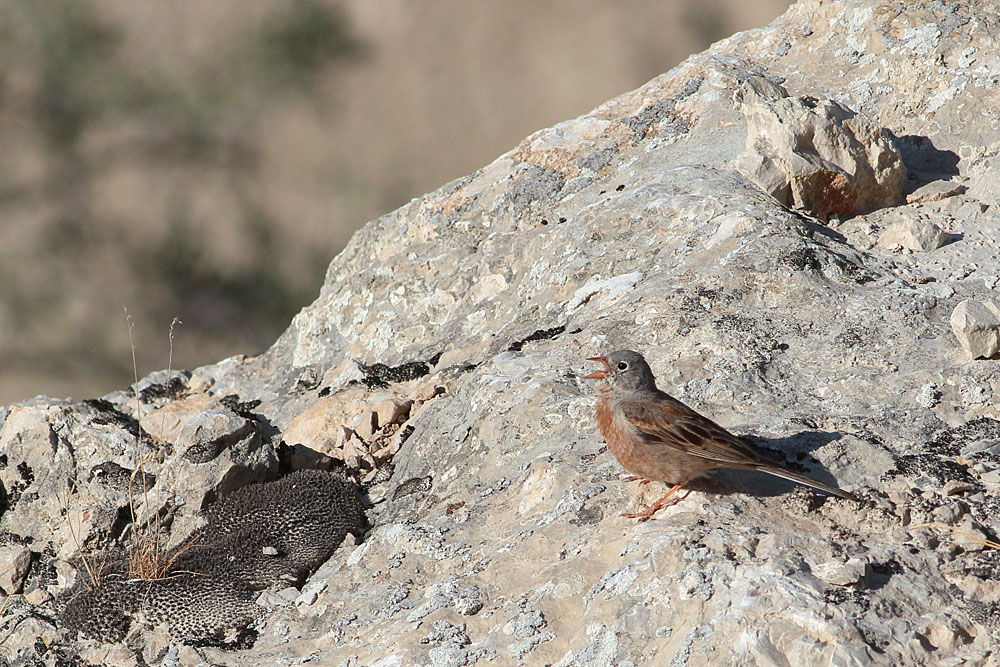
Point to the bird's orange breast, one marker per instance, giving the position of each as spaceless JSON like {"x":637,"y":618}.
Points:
{"x":651,"y":460}
{"x":621,"y":441}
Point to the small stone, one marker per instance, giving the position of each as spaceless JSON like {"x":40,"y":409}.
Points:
{"x":323,"y":430}
{"x":956,"y":488}
{"x":37,"y":596}
{"x":991,"y":478}
{"x":969,"y":536}
{"x":428,"y":391}
{"x":974,"y":392}
{"x":206,"y":435}
{"x":928,"y":396}
{"x":309,"y":593}
{"x":392,"y":411}
{"x":913,"y":234}
{"x":935,"y":191}
{"x":166,"y":422}
{"x":468,"y":606}
{"x":948,"y":514}
{"x":448,"y":655}
{"x":946,"y":635}
{"x":354,"y":452}
{"x":157,"y":645}
{"x":66,"y":575}
{"x":816,"y":155}
{"x":273,"y":599}
{"x":840,"y":573}
{"x":976,"y":325}
{"x":364,"y":425}
{"x":14,"y":563}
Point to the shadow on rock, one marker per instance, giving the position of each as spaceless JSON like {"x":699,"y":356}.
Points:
{"x":925,"y":163}
{"x":796,"y":450}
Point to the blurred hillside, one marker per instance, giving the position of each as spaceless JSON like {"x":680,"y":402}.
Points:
{"x":206,"y":160}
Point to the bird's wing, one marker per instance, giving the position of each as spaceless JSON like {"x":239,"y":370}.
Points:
{"x":666,"y":420}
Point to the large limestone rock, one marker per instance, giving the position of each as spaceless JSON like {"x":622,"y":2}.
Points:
{"x":496,"y":530}
{"x":817,"y":155}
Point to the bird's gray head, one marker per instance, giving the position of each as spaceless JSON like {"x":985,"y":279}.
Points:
{"x":624,"y":370}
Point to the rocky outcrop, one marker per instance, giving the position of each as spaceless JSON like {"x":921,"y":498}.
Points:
{"x":816,"y":155}
{"x":495,"y":506}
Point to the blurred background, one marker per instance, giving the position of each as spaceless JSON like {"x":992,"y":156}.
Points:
{"x":206,"y":160}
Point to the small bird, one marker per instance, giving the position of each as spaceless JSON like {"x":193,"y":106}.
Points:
{"x":657,"y":438}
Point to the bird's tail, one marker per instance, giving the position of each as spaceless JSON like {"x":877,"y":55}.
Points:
{"x":808,"y":481}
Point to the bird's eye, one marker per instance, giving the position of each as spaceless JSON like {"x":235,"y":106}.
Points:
{"x":623,"y":365}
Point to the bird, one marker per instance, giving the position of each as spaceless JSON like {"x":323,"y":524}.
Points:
{"x":656,"y":437}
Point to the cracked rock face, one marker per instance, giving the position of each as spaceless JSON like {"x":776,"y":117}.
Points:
{"x":496,"y":532}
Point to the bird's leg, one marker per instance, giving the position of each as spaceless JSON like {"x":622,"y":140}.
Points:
{"x":635,"y":478}
{"x":658,"y":505}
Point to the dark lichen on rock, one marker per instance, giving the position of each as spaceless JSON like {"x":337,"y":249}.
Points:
{"x":260,"y":536}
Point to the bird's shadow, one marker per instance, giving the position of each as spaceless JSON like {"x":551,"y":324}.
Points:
{"x":791,"y":451}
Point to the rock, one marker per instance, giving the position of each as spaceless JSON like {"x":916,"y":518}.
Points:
{"x":497,"y":530}
{"x":817,"y":155}
{"x":392,"y":411}
{"x":914,"y":234}
{"x":66,"y":576}
{"x":976,"y":325}
{"x":363,"y":426}
{"x":282,"y":598}
{"x":37,"y":596}
{"x":309,"y":593}
{"x":14,"y":564}
{"x":165,"y":423}
{"x":991,"y":478}
{"x":157,"y":647}
{"x":928,"y":395}
{"x":935,"y":191}
{"x":970,"y":537}
{"x":842,"y":573}
{"x":351,"y":426}
{"x":205,"y":436}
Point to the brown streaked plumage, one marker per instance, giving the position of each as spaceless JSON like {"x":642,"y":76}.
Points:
{"x":657,"y":438}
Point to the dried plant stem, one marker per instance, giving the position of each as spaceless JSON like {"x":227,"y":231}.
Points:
{"x":147,"y":558}
{"x":958,"y":531}
{"x":94,"y":570}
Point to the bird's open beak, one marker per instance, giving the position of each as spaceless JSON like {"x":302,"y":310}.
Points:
{"x":598,"y":375}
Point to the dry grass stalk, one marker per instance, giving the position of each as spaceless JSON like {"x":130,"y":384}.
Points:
{"x":95,"y":569}
{"x":148,"y":561}
{"x":958,"y":531}
{"x":147,"y":553}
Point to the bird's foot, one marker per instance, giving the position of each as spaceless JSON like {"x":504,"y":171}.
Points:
{"x":636,"y":478}
{"x":649,"y":510}
{"x":665,"y":501}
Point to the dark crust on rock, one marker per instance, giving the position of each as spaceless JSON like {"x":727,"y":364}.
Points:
{"x":260,"y":536}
